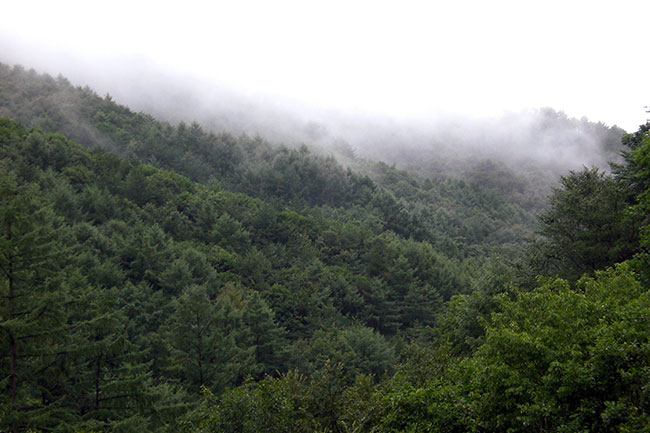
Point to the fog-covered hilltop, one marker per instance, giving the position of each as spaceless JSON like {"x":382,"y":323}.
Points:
{"x":537,"y":145}
{"x":445,"y":211}
{"x":535,"y":140}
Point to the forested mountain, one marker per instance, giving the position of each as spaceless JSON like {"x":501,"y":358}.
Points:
{"x":543,"y":142}
{"x":489,"y":204}
{"x":166,"y":278}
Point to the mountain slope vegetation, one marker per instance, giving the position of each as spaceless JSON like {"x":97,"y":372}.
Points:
{"x":488,"y":205}
{"x":163,"y":278}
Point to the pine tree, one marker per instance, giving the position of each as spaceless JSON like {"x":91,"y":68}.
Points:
{"x":264,"y":335}
{"x":32,"y":314}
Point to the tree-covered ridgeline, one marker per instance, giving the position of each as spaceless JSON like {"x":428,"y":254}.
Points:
{"x":153,"y":287}
{"x":164,"y":278}
{"x":567,"y":353}
{"x":486,"y":205}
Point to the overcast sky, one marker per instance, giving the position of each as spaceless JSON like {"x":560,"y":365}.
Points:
{"x":402,"y":58}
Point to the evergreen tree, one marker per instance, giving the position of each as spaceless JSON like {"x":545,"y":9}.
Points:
{"x":33,"y":314}
{"x":264,"y":336}
{"x":587,"y":226}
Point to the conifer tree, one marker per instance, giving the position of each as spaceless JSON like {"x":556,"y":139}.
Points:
{"x":32,"y":313}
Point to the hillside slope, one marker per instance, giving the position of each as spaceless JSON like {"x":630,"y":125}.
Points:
{"x":159,"y":277}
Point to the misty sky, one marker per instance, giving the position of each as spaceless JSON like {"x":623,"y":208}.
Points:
{"x":402,"y":58}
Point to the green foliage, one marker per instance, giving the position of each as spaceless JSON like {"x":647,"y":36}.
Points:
{"x":32,"y":320}
{"x":553,"y":359}
{"x":588,"y":226}
{"x":634,"y":171}
{"x":294,"y":403}
{"x":178,"y":286}
{"x":636,"y":174}
{"x":297,"y":295}
{"x":496,"y":208}
{"x":357,"y":349}
{"x":557,"y":359}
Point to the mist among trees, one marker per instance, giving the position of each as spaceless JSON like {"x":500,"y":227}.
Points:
{"x":168,"y":272}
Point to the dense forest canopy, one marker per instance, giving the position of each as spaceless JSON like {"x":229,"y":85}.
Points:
{"x":170,"y":277}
